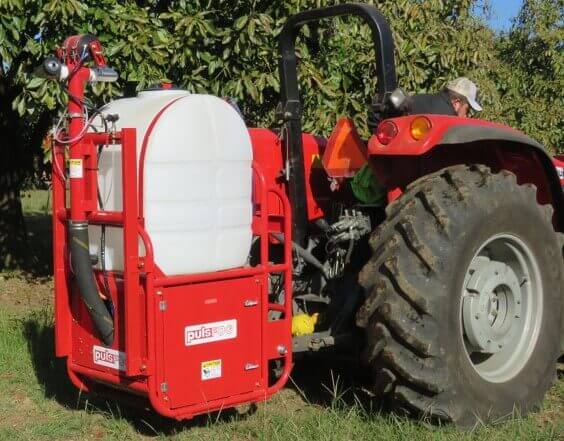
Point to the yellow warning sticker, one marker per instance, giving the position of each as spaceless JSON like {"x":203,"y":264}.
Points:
{"x":75,"y":168}
{"x":211,"y":369}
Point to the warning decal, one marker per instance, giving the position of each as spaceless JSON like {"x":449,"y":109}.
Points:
{"x":211,"y":369}
{"x":75,"y":168}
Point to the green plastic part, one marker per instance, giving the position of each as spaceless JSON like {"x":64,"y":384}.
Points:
{"x":366,"y":188}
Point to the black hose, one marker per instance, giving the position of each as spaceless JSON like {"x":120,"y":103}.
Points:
{"x":82,"y":268}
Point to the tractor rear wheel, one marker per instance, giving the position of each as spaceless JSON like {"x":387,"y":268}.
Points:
{"x":464,"y":298}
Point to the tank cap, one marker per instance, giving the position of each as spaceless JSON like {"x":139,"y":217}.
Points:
{"x":164,"y":85}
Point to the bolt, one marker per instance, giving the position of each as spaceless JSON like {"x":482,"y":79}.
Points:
{"x":282,"y":350}
{"x":159,"y":293}
{"x":477,"y":316}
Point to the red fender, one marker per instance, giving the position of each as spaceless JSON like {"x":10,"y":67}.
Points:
{"x":452,"y":140}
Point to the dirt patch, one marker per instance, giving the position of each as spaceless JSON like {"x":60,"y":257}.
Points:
{"x":17,"y":294}
{"x":22,"y":408}
{"x":287,"y":401}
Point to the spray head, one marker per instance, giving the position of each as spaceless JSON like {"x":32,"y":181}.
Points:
{"x":52,"y":69}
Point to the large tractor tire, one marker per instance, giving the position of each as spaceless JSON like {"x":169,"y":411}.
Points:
{"x":464,"y":298}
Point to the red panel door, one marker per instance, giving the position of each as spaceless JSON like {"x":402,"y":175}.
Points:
{"x":212,"y":340}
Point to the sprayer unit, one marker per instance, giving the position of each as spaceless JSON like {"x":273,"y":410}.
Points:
{"x":154,"y":219}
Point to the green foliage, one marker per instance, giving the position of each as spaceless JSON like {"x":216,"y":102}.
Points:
{"x":530,"y":72}
{"x":229,"y":48}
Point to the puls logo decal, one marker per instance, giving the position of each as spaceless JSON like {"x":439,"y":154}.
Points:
{"x":210,"y":332}
{"x":109,"y":357}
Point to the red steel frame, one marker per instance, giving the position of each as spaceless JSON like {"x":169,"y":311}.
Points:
{"x":141,"y":274}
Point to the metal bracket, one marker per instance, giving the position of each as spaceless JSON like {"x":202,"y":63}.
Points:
{"x":289,"y":110}
{"x":312,"y":342}
{"x":162,"y":305}
{"x":314,"y":298}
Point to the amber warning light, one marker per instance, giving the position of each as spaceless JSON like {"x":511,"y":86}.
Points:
{"x":420,"y":128}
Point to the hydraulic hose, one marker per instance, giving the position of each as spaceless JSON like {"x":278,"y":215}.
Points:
{"x":82,"y":268}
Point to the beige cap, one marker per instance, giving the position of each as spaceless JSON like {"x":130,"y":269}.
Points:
{"x":463,"y":86}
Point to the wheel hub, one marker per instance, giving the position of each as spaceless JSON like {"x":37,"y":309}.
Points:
{"x":491,"y":305}
{"x":501,"y":307}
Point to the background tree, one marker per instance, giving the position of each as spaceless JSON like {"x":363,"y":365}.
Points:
{"x":228,"y":48}
{"x":29,"y":30}
{"x":529,"y":72}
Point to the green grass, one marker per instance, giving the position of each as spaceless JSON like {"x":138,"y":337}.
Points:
{"x":36,"y":202}
{"x":37,"y":402}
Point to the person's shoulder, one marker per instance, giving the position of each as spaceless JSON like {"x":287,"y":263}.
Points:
{"x":433,"y":103}
{"x":424,"y":96}
{"x":422,"y":101}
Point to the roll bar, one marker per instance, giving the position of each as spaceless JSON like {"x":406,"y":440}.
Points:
{"x":290,"y":105}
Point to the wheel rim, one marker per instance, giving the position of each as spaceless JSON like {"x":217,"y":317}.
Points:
{"x":501,"y":308}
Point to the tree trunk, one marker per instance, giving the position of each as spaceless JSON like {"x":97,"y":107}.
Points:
{"x":13,"y":236}
{"x":20,"y":139}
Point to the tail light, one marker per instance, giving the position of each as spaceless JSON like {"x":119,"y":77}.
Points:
{"x":386,"y":131}
{"x":420,"y":128}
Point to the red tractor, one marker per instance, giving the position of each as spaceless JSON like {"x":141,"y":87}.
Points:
{"x":194,"y":257}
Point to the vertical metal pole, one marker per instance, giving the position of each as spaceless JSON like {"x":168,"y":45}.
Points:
{"x":63,"y":340}
{"x":76,"y":157}
{"x":63,"y":337}
{"x":291,"y":113}
{"x":132,"y":291}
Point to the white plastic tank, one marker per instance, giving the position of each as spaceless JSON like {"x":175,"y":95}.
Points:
{"x":197,"y":182}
